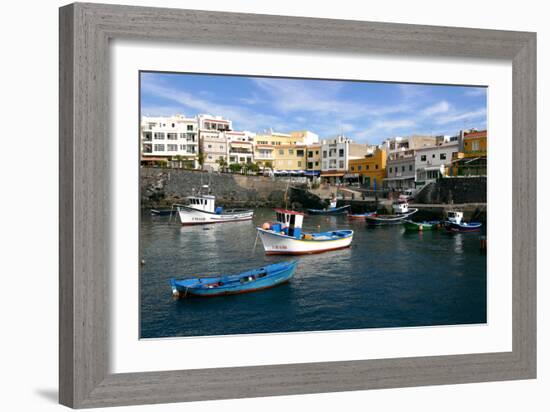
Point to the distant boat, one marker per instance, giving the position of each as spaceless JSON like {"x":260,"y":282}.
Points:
{"x":455,"y":223}
{"x":401,"y":212}
{"x":285,"y":237}
{"x":420,"y":226}
{"x":202,"y":210}
{"x":330,"y":211}
{"x":250,"y":281}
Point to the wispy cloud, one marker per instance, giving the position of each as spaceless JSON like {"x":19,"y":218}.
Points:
{"x":441,"y":107}
{"x":464,"y":116}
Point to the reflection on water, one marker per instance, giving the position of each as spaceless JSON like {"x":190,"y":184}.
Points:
{"x":388,"y":278}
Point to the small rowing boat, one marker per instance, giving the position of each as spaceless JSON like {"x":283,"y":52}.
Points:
{"x":285,"y":236}
{"x":250,"y":281}
{"x":420,"y":226}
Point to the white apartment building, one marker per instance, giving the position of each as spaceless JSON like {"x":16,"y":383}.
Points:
{"x":432,"y":161}
{"x":173,"y":138}
{"x":213,"y":143}
{"x":405,"y":146}
{"x":240,"y":146}
{"x":336,"y":154}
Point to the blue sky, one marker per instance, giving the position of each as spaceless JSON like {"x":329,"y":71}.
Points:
{"x":365,"y":111}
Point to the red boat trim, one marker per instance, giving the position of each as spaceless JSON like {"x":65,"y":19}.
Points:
{"x":312,"y":252}
{"x":221,"y":221}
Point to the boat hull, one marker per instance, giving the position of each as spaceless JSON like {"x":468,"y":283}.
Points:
{"x":419,"y":226}
{"x":280,"y":244}
{"x":335,"y":211}
{"x":189,"y":216}
{"x":273,"y":275}
{"x":462,"y":227}
{"x":362,"y":216}
{"x":379,"y":220}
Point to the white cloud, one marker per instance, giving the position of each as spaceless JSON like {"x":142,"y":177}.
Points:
{"x":465,"y":116}
{"x":441,"y":107}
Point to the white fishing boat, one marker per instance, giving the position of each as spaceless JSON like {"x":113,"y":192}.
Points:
{"x":285,"y":236}
{"x":401,"y":211}
{"x":202,"y":210}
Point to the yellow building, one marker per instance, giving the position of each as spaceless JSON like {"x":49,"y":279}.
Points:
{"x":370,"y":169}
{"x":289,"y":157}
{"x":264,"y":146}
{"x":313,"y":161}
{"x":473,"y":160}
{"x":475,"y":144}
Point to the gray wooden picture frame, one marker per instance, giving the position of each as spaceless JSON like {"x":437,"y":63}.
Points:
{"x":85,"y":32}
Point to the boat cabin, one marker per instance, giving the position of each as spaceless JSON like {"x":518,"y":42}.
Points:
{"x":333,"y":203}
{"x":289,"y":222}
{"x":454,"y":216}
{"x":205,"y":203}
{"x":400,"y":207}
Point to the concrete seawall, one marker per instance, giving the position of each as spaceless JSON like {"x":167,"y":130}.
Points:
{"x":454,"y":190}
{"x":164,"y":187}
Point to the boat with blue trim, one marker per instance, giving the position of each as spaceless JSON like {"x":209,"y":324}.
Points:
{"x":455,"y":223}
{"x":245,"y":282}
{"x":285,"y":236}
{"x":401,"y":212}
{"x":202,"y":210}
{"x":331,"y":210}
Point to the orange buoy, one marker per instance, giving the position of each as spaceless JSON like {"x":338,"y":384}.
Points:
{"x":266,"y":226}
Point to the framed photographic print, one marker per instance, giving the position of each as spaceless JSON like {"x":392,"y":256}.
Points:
{"x":258,"y":205}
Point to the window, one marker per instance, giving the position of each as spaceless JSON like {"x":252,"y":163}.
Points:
{"x":300,"y":153}
{"x":159,"y":136}
{"x":290,"y":151}
{"x":391,"y":169}
{"x":353,"y":168}
{"x":189,"y":127}
{"x":433,"y":156}
{"x":316,"y":163}
{"x":442,"y":156}
{"x":359,"y":168}
{"x":299,"y":163}
{"x":221,"y":147}
{"x":210,"y":146}
{"x":367,"y":167}
{"x":172,"y":136}
{"x":159,"y":148}
{"x":281,"y":152}
{"x":341,"y":152}
{"x":475,"y":145}
{"x":423,"y":158}
{"x":341,"y":164}
{"x":376,"y":166}
{"x":147,"y":136}
{"x":173,"y":125}
{"x":310,"y":165}
{"x":402,"y":168}
{"x":182,"y":147}
{"x":310,"y":154}
{"x":410,"y":168}
{"x":210,"y":157}
{"x":172,"y":147}
{"x":317,"y":152}
{"x":324,"y":154}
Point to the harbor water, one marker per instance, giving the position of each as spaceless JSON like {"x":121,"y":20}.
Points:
{"x":388,"y":278}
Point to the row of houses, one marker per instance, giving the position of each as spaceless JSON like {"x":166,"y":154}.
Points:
{"x":209,"y":142}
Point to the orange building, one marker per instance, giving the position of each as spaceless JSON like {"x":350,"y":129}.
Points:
{"x":370,"y":169}
{"x":475,"y":143}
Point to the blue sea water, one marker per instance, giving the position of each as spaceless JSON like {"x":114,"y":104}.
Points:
{"x":388,"y":278}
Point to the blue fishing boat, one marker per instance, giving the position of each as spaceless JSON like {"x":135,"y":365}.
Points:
{"x":455,"y":223}
{"x":331,"y":210}
{"x":250,"y":281}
